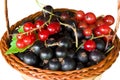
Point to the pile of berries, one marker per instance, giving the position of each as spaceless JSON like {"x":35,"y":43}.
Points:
{"x":65,"y":39}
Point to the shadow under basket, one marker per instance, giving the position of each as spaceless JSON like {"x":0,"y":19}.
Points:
{"x":32,"y":73}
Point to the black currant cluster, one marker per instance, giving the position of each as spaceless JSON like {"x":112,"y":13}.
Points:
{"x":55,"y":47}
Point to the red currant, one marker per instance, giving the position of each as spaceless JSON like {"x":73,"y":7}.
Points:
{"x":28,"y":26}
{"x":65,"y":15}
{"x":79,"y":15}
{"x":97,"y":32}
{"x":29,"y":39}
{"x":53,"y":27}
{"x":39,"y":23}
{"x":20,"y":36}
{"x":82,"y":24}
{"x":109,"y":19}
{"x":43,"y":35}
{"x":89,"y":45}
{"x":104,"y":29}
{"x":90,"y":18}
{"x":100,"y":21}
{"x":87,"y":31}
{"x":20,"y":43}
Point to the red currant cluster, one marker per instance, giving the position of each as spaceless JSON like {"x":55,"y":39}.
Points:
{"x":91,"y":25}
{"x":29,"y":28}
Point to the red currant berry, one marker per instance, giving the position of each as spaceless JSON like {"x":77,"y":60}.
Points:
{"x":90,"y":18}
{"x":87,"y":31}
{"x":53,"y":27}
{"x":20,"y":43}
{"x":104,"y":29}
{"x":82,"y":25}
{"x":39,"y":23}
{"x":89,"y":45}
{"x":97,"y":32}
{"x":65,"y":15}
{"x":20,"y":36}
{"x":109,"y":19}
{"x":29,"y":39}
{"x":43,"y":35}
{"x":28,"y":26}
{"x":79,"y":15}
{"x":100,"y":21}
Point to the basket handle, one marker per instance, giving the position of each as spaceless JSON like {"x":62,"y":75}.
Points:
{"x":7,"y":19}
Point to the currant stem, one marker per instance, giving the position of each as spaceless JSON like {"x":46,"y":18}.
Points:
{"x":109,"y":49}
{"x":74,"y":30}
{"x":54,"y":44}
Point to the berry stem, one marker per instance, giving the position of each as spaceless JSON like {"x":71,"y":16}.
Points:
{"x":79,"y":46}
{"x":74,"y":30}
{"x":109,"y":49}
{"x":54,"y":44}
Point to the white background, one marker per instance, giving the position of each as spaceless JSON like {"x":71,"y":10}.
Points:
{"x":19,"y":9}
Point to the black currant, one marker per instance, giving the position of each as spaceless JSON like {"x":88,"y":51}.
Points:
{"x":79,"y":34}
{"x":82,"y":56}
{"x":46,"y":53}
{"x":37,"y":46}
{"x":100,"y":44}
{"x":96,"y":56}
{"x":71,"y":53}
{"x":54,"y":64}
{"x":47,"y":9}
{"x":79,"y":66}
{"x":31,"y":59}
{"x":61,"y":52}
{"x":65,"y":42}
{"x":68,"y":64}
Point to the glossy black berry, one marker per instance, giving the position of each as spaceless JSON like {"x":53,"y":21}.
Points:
{"x":68,"y":64}
{"x":31,"y":59}
{"x":37,"y":46}
{"x":65,"y":42}
{"x":79,"y":34}
{"x":61,"y":52}
{"x":54,"y":64}
{"x":47,"y":10}
{"x":82,"y":56}
{"x":46,"y":53}
{"x":79,"y":66}
{"x":71,"y":23}
{"x":96,"y":56}
{"x":100,"y":44}
{"x":71,"y":53}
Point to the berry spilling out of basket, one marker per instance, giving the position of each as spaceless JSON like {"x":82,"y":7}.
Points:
{"x":63,"y":39}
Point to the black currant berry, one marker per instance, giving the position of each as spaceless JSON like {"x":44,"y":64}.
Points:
{"x":71,"y":53}
{"x":82,"y":56}
{"x":61,"y":52}
{"x":46,"y":53}
{"x":54,"y":64}
{"x":96,"y":56}
{"x":37,"y":46}
{"x":100,"y":44}
{"x":65,"y":42}
{"x":20,"y":56}
{"x":79,"y":66}
{"x":31,"y":59}
{"x":68,"y":64}
{"x":79,"y":34}
{"x":47,"y":9}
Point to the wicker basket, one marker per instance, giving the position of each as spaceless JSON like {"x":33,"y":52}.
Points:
{"x":32,"y":73}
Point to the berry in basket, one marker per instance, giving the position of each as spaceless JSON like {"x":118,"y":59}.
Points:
{"x":63,"y":40}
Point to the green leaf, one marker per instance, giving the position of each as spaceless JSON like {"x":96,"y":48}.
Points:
{"x":20,"y":30}
{"x":14,"y":49}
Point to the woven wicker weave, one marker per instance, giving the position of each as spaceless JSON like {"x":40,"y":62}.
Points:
{"x":32,"y":73}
